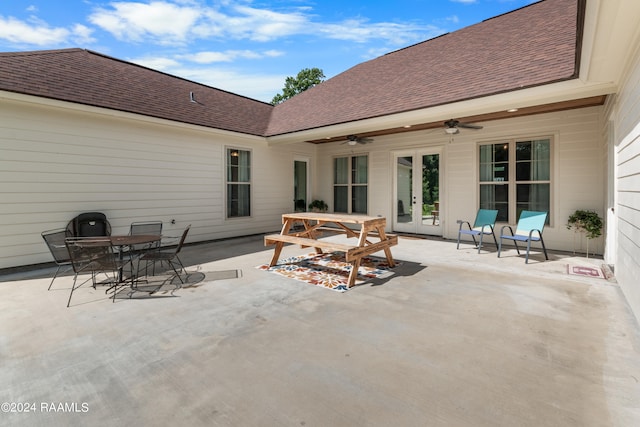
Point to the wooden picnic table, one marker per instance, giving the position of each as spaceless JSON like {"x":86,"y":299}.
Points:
{"x":368,"y":230}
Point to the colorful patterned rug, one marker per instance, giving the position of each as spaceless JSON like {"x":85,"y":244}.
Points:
{"x":329,"y":270}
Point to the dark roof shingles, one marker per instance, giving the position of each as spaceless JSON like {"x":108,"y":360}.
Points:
{"x":86,"y":77}
{"x":530,"y":46}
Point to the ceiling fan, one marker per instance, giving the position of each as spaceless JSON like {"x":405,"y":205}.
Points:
{"x":354,"y":139}
{"x":453,"y":126}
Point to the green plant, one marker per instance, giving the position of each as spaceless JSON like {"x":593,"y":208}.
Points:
{"x":318,"y":205}
{"x":299,"y":205}
{"x":586,"y":221}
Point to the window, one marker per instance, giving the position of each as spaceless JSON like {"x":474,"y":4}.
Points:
{"x":238,"y":183}
{"x":350,"y":179}
{"x":515,"y":176}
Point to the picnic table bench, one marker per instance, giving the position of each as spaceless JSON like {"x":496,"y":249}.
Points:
{"x":314,"y":223}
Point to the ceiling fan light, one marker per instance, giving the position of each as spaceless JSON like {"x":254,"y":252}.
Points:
{"x":451,"y":131}
{"x":352,"y":142}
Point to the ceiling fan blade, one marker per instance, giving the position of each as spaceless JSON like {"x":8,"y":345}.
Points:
{"x":452,"y":123}
{"x":469,"y":126}
{"x":354,"y":139}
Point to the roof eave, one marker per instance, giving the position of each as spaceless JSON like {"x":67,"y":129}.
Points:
{"x":536,"y":96}
{"x":112,"y":112}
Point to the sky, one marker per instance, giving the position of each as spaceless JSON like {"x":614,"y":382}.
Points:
{"x":247,"y":47}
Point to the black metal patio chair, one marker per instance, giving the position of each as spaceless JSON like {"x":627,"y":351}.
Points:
{"x":96,"y":255}
{"x":89,"y":224}
{"x":170,"y":256}
{"x":145,"y":227}
{"x":55,"y":242}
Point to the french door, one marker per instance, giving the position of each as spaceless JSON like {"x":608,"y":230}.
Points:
{"x":417,"y":208}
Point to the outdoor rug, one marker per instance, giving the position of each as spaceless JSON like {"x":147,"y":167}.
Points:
{"x":586,"y":271}
{"x":329,"y":270}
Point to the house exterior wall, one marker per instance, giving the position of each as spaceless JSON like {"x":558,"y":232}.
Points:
{"x":625,"y":121}
{"x":60,"y":159}
{"x":578,"y":172}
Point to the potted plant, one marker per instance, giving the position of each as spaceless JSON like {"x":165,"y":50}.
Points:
{"x":318,"y":206}
{"x":299,"y":205}
{"x":587,"y":222}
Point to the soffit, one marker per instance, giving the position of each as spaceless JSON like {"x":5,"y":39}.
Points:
{"x":477,"y":118}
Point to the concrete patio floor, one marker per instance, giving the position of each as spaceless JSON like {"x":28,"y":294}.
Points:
{"x":452,"y":338}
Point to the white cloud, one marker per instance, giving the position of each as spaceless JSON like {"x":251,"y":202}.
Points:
{"x":375,"y":52}
{"x":164,"y":22}
{"x":453,"y":18}
{"x":157,"y":63}
{"x":82,"y":34}
{"x":273,"y":53}
{"x":36,"y":32}
{"x":362,"y":32}
{"x":267,"y":25}
{"x":228,"y":56}
{"x":209,"y":57}
{"x":253,"y":85}
{"x":257,"y":86}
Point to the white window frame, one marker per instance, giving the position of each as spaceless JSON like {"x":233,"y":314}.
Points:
{"x":350,"y":184}
{"x":511,"y":179}
{"x":227,"y":182}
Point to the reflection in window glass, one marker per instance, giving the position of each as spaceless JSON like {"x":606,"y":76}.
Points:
{"x":532,"y":197}
{"x":341,"y":170}
{"x":359,"y":200}
{"x":341,"y":199}
{"x":238,"y":183}
{"x":527,"y":164}
{"x":494,"y":162}
{"x":350,"y":184}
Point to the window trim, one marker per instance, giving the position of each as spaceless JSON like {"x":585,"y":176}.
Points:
{"x":350,"y":184}
{"x":512,"y":207}
{"x":226,"y":182}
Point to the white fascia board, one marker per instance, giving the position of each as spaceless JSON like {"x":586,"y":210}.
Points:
{"x":76,"y":107}
{"x":611,"y":35}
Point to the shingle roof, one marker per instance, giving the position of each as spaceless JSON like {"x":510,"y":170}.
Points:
{"x":535,"y":45}
{"x":86,"y":77}
{"x":530,"y":46}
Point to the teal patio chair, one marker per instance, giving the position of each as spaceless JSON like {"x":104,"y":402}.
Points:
{"x":529,"y":229}
{"x":484,"y":224}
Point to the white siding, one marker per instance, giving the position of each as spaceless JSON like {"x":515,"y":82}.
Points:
{"x":626,"y":122}
{"x":59,"y":159}
{"x":578,"y":169}
{"x":57,"y":162}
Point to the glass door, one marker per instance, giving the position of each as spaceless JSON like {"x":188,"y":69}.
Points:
{"x":417,"y":192}
{"x":300,"y":185}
